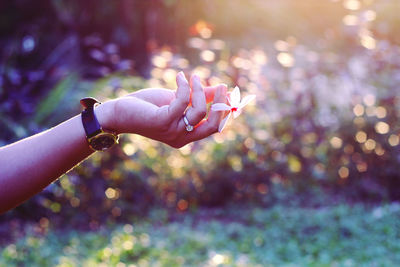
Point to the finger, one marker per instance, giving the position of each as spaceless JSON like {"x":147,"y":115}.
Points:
{"x":180,"y":103}
{"x":207,"y":127}
{"x":210,"y":92}
{"x":199,"y":106}
{"x":216,"y":115}
{"x":162,"y":96}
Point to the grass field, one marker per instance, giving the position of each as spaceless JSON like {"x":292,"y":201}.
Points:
{"x":279,"y":236}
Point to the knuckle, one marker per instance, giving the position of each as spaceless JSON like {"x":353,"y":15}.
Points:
{"x":200,"y":113}
{"x":185,"y":101}
{"x":203,"y":113}
{"x":213,"y":128}
{"x":163,"y":127}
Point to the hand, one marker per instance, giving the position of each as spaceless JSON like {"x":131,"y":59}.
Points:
{"x":158,"y":113}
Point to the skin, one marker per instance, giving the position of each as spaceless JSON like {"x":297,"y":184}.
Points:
{"x":31,"y":164}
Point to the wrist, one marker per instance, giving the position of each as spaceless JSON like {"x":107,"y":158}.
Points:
{"x":105,"y":114}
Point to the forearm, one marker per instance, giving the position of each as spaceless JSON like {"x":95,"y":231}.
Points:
{"x":28,"y":166}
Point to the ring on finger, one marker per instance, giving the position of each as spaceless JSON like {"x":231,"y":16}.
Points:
{"x":189,"y":127}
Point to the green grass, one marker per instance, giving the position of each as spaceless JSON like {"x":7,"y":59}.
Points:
{"x":278,"y":236}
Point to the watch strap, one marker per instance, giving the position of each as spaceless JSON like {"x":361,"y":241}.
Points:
{"x":90,"y":123}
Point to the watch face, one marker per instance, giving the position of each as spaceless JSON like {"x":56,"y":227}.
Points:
{"x":103,"y":141}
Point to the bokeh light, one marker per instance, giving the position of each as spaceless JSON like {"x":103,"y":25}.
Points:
{"x":382,"y":127}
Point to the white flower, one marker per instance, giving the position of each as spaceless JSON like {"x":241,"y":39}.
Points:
{"x":235,"y":106}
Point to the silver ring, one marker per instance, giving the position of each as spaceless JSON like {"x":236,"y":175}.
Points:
{"x":189,"y":127}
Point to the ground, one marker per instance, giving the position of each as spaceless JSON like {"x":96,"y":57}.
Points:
{"x":340,"y":235}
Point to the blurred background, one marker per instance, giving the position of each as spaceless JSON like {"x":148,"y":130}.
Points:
{"x":307,"y":175}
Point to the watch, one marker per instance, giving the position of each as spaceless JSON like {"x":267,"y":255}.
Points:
{"x":98,"y":138}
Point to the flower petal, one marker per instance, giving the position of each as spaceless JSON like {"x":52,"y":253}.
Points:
{"x":236,"y":113}
{"x":220,"y":106}
{"x":223,"y":123}
{"x":228,"y":98}
{"x":246,"y":100}
{"x":235,"y":97}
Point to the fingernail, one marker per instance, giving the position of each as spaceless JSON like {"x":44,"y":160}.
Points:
{"x":182,"y":74}
{"x":196,"y":78}
{"x":225,"y":87}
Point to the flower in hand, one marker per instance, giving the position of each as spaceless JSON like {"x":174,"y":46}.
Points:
{"x":235,"y":106}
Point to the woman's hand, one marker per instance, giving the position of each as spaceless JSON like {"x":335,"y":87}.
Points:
{"x":158,"y":113}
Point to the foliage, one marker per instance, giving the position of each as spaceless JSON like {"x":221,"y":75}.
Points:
{"x":280,"y":236}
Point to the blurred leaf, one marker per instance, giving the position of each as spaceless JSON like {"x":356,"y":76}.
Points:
{"x":16,"y":128}
{"x":50,"y":103}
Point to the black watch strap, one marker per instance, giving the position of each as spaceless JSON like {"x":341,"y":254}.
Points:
{"x":90,"y":123}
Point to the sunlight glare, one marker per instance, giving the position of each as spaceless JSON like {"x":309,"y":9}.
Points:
{"x":380,"y":112}
{"x":370,"y":15}
{"x":369,"y":100}
{"x":169,"y":76}
{"x":343,"y":172}
{"x":129,"y":149}
{"x":350,"y":20}
{"x":196,"y":43}
{"x":218,"y":259}
{"x":370,"y":144}
{"x":368,"y":42}
{"x":336,"y":142}
{"x":159,"y":61}
{"x":207,"y":55}
{"x":352,"y":4}
{"x":393,"y":140}
{"x":382,"y":127}
{"x":286,"y":59}
{"x":358,"y":110}
{"x":361,"y":137}
{"x":281,"y":46}
{"x":217,"y":44}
